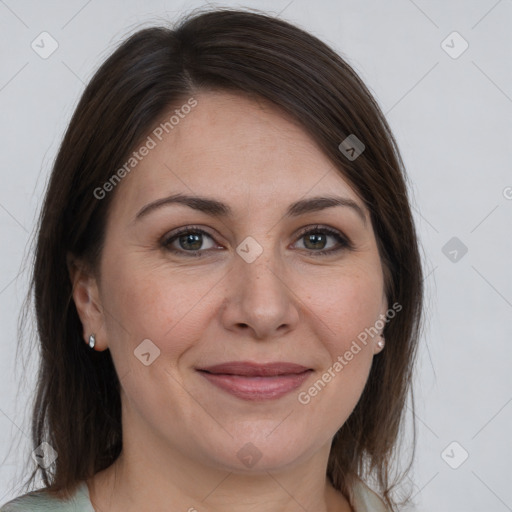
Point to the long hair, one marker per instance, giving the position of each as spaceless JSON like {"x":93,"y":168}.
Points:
{"x":77,"y":408}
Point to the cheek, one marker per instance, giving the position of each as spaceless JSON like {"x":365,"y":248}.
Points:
{"x":346,"y":310}
{"x":347,"y":307}
{"x":169,"y":308}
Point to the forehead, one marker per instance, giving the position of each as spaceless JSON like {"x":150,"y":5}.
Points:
{"x":234,"y":147}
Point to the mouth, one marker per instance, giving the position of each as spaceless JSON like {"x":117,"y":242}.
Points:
{"x":256,"y":382}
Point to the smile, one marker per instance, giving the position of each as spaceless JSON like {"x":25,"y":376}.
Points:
{"x":256,"y":382}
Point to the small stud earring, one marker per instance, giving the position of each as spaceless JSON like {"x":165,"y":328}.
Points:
{"x":381,"y":342}
{"x":92,"y":340}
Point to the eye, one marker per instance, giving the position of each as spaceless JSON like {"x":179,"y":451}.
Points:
{"x":188,"y":240}
{"x":317,"y":238}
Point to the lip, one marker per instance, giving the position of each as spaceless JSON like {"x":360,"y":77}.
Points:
{"x":253,"y":381}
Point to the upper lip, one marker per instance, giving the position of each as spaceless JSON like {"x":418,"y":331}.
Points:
{"x":250,"y":369}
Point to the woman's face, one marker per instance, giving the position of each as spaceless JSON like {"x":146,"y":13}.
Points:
{"x":249,"y":283}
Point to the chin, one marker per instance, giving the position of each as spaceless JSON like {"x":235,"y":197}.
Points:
{"x":260,"y":452}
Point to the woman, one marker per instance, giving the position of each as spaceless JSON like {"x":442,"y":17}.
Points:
{"x":227,"y":281}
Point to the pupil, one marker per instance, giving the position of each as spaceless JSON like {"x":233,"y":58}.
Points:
{"x":315,"y":239}
{"x":192,"y":238}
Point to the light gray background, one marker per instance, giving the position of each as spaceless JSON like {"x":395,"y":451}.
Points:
{"x":452,"y":118}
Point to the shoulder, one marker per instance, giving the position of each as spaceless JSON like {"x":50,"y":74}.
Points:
{"x":365,"y":499}
{"x":40,"y":501}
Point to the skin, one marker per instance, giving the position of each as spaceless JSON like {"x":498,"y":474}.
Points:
{"x":181,"y":434}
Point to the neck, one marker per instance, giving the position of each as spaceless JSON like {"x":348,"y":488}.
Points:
{"x":148,"y":477}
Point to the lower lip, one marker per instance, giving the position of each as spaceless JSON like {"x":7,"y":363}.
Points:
{"x":257,"y":388}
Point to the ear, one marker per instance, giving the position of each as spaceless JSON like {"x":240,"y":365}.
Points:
{"x":87,"y":301}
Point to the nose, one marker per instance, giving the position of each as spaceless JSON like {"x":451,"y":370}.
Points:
{"x":259,"y":300}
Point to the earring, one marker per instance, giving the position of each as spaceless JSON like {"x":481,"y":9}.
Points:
{"x":381,"y":342}
{"x":92,"y":340}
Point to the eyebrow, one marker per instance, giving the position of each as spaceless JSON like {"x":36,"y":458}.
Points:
{"x":218,"y":209}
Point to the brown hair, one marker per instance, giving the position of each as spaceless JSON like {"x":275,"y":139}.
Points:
{"x":77,"y":409}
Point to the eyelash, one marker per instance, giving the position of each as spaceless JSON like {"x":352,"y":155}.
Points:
{"x":344,"y":242}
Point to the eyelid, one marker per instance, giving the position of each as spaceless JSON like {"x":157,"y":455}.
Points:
{"x":343,"y":241}
{"x":168,"y":237}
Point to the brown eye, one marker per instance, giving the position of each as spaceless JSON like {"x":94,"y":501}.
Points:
{"x":188,"y":240}
{"x":192,"y":241}
{"x":317,"y":239}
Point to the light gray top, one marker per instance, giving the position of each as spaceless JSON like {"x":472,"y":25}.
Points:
{"x":363,"y":500}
